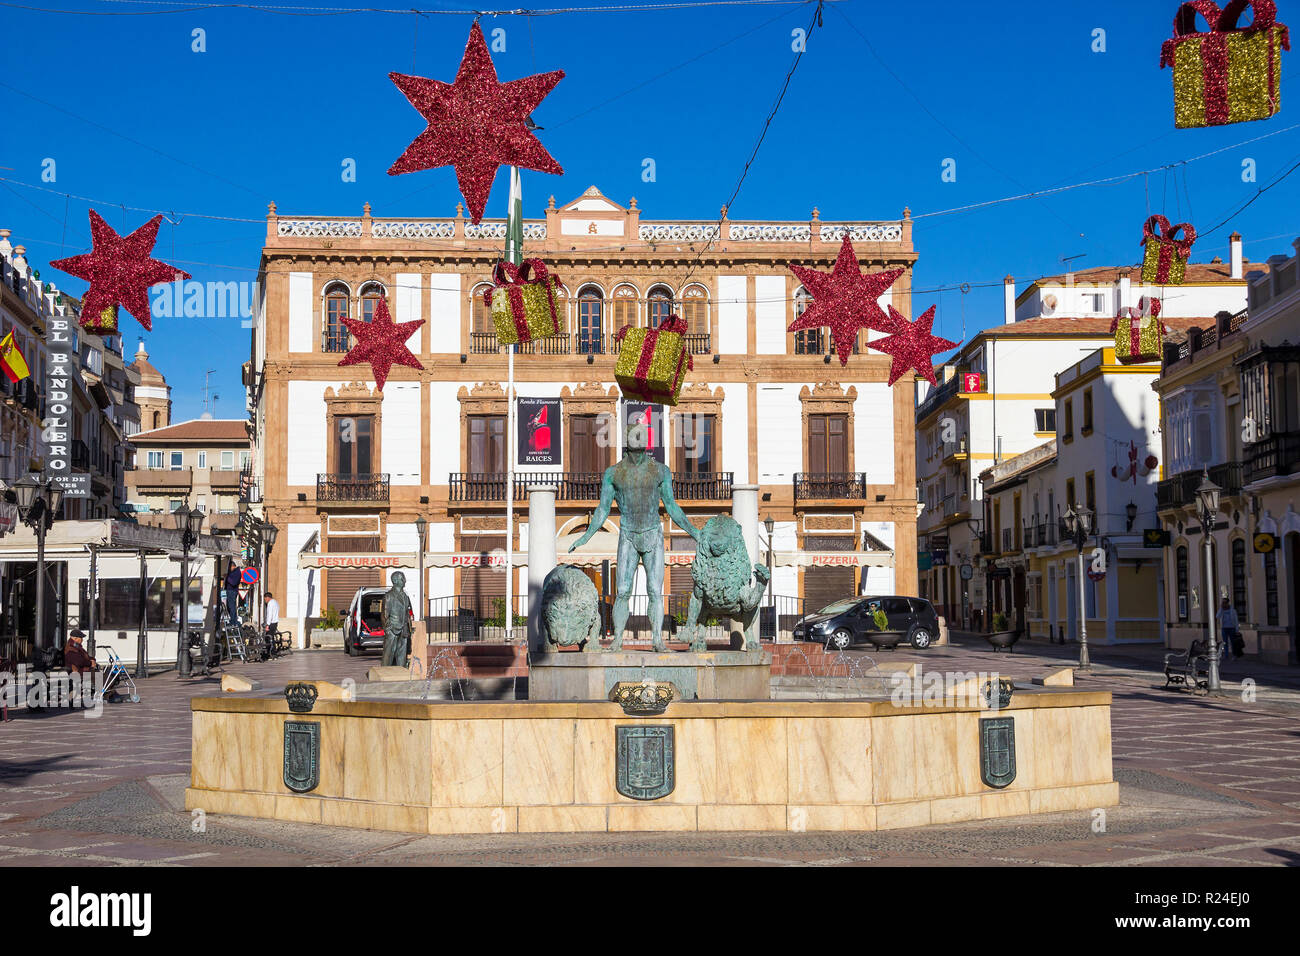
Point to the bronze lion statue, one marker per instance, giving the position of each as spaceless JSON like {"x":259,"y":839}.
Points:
{"x":570,"y":609}
{"x":721,"y":572}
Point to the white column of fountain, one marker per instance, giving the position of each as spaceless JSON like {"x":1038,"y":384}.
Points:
{"x":744,"y":508}
{"x":541,"y":557}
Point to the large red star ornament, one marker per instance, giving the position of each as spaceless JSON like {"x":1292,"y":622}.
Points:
{"x":120,"y":272}
{"x":844,"y":299}
{"x":382,"y":343}
{"x":476,"y":124}
{"x":912,"y":345}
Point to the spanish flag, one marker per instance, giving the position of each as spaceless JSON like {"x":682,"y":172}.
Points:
{"x":11,"y":359}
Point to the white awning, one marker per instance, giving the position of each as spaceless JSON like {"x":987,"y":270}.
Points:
{"x":581,"y":558}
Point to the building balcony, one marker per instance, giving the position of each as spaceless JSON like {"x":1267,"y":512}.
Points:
{"x":1180,"y":490}
{"x":830,"y":486}
{"x":182,"y":479}
{"x":351,"y":489}
{"x":817,"y":342}
{"x":222,"y":523}
{"x":1275,"y":455}
{"x":576,"y":343}
{"x":472,"y":487}
{"x":224,"y":479}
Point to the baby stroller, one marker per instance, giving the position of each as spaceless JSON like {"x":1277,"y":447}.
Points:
{"x":115,"y":673}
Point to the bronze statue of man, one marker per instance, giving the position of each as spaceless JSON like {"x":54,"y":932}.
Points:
{"x":636,"y":484}
{"x":397,"y":622}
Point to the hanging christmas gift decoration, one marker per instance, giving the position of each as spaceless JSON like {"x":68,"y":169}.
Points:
{"x":476,"y":124}
{"x":652,"y":363}
{"x":1164,"y":259}
{"x":523,"y":308}
{"x":912,"y":345}
{"x":844,"y":300}
{"x":120,"y":271}
{"x":1228,"y":74}
{"x":381,"y":343}
{"x":1138,"y":332}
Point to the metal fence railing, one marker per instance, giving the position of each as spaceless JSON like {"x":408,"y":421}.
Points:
{"x":467,"y":618}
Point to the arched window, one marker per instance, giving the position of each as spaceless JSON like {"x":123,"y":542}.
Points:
{"x":1181,"y":570}
{"x":371,"y":293}
{"x":1239,"y":600}
{"x":334,"y":334}
{"x":695,"y":310}
{"x":591,"y":316}
{"x":625,"y":303}
{"x":809,"y":341}
{"x":155,"y":419}
{"x":659,"y":306}
{"x":483,"y":336}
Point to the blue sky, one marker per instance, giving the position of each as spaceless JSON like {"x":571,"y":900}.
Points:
{"x":884,"y":95}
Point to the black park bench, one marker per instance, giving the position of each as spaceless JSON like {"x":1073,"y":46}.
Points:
{"x":1189,"y":668}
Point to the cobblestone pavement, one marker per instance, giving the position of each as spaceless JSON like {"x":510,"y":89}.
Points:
{"x":1204,"y":781}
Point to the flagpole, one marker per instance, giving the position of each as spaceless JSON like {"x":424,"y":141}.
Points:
{"x":514,"y":255}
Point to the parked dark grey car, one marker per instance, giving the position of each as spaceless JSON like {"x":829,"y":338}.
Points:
{"x":853,"y":621}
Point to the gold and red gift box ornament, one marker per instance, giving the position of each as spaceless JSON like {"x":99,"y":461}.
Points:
{"x":652,"y":363}
{"x":523,"y":308}
{"x":1138,"y":332}
{"x":1229,"y":74}
{"x":1164,"y":260}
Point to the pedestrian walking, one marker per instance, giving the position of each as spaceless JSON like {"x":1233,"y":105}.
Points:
{"x":1228,"y":628}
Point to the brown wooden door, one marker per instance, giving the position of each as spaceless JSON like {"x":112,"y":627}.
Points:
{"x":828,"y":444}
{"x":586,"y":456}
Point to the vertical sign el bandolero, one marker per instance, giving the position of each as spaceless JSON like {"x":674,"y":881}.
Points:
{"x":58,"y":409}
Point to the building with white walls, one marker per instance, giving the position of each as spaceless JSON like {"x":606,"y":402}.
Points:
{"x":830,"y":448}
{"x":995,"y":400}
{"x":1230,"y":398}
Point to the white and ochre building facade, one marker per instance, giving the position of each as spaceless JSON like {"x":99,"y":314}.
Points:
{"x":346,"y":469}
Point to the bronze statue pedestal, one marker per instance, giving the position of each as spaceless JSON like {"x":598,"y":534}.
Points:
{"x":708,"y":675}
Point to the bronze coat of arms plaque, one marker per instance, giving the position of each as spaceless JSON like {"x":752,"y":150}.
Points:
{"x":998,"y":751}
{"x":301,"y":755}
{"x":644,"y":761}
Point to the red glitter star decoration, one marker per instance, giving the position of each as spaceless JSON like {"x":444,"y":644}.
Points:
{"x":844,"y":299}
{"x":120,"y":272}
{"x":476,"y":124}
{"x":382,"y":343}
{"x":912,"y":345}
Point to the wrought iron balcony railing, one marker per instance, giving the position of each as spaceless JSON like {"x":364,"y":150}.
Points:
{"x":334,"y":339}
{"x":1278,"y":454}
{"x":844,"y":485}
{"x":80,"y":455}
{"x":339,"y":487}
{"x":579,"y":486}
{"x":1180,"y":490}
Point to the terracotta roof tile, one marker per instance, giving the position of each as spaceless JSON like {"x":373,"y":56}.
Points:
{"x":1196,"y":272}
{"x":199,"y":429}
{"x":1092,"y":327}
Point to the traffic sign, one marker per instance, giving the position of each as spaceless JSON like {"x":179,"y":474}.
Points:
{"x":249,"y":575}
{"x":1264,"y":542}
{"x":1155,"y":538}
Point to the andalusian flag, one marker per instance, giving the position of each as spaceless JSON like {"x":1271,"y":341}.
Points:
{"x":11,"y":360}
{"x":515,"y":220}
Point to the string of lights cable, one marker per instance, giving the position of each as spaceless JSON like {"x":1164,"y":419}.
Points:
{"x":179,"y":6}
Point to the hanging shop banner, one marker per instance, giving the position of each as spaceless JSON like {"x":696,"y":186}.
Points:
{"x":1155,"y":538}
{"x":653,"y":417}
{"x":8,"y":518}
{"x":57,"y":433}
{"x":539,"y":431}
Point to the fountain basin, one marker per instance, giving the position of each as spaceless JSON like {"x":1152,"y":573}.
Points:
{"x":526,"y":766}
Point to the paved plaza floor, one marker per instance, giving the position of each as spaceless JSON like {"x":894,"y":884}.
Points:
{"x":1204,"y":781}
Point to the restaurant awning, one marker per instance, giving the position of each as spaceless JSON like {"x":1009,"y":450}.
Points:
{"x":583,"y":558}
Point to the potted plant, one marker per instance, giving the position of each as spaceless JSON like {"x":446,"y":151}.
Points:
{"x":329,"y":629}
{"x":1002,"y":637}
{"x":882,"y":637}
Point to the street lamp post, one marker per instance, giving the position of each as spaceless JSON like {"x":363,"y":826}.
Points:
{"x":769,"y":525}
{"x":267,"y":542}
{"x":421,"y":525}
{"x":1078,"y":523}
{"x":1207,"y":495}
{"x":189,"y":523}
{"x":38,"y":503}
